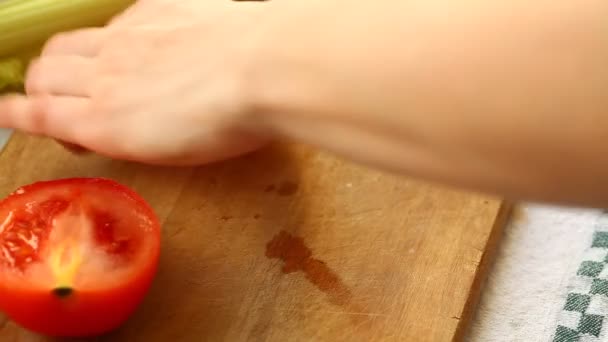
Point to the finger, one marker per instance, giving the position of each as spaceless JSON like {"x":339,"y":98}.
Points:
{"x":59,"y":117}
{"x":84,"y":42}
{"x":60,"y":75}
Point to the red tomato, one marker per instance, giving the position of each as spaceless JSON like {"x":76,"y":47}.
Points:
{"x":77,"y":256}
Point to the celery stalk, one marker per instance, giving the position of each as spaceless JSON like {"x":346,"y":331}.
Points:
{"x":12,"y":72}
{"x":26,"y":24}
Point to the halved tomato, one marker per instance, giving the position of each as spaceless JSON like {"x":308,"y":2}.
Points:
{"x":77,"y":256}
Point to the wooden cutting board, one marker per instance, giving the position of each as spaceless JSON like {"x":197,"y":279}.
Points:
{"x":289,"y":244}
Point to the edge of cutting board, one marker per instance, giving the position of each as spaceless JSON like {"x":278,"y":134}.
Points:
{"x":487,"y":260}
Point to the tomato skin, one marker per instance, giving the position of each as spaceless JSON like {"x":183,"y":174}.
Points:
{"x":85,"y":312}
{"x":82,"y":314}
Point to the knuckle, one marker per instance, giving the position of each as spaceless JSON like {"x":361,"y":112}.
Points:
{"x":36,"y":121}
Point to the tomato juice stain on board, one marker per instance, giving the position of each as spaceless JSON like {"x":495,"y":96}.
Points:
{"x":296,"y":256}
{"x":286,"y":188}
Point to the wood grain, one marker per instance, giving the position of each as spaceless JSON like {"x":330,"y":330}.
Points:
{"x":290,"y":244}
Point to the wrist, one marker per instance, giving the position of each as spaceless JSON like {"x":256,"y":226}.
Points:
{"x":289,"y":66}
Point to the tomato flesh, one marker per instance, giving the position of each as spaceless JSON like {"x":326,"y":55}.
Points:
{"x":77,"y":256}
{"x":22,"y":233}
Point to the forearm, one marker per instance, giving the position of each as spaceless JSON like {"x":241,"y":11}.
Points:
{"x":500,"y":97}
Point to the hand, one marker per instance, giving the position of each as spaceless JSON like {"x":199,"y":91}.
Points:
{"x":444,"y":91}
{"x":164,"y":83}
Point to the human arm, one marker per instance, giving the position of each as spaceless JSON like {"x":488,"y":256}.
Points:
{"x":504,"y":97}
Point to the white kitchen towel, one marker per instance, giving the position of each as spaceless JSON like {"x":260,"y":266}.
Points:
{"x":547,"y":282}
